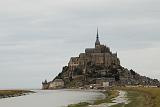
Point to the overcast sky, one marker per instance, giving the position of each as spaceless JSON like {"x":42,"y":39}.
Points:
{"x":38,"y":37}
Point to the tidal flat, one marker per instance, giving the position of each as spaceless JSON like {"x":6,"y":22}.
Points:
{"x":51,"y":98}
{"x":109,"y":97}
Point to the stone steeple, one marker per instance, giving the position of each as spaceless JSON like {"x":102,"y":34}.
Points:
{"x":97,"y":43}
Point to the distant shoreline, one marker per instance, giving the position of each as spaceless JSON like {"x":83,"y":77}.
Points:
{"x":13,"y":93}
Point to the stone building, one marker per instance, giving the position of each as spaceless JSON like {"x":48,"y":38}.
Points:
{"x":57,"y":83}
{"x":99,"y":55}
{"x":45,"y":85}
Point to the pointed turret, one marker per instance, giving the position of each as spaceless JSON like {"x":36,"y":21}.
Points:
{"x":97,"y":43}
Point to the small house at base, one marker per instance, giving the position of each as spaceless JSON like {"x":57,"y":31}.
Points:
{"x":57,"y":83}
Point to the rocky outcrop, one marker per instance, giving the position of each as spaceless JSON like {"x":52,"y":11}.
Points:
{"x":115,"y":75}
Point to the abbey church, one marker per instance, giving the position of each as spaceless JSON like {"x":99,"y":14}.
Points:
{"x":95,"y":67}
{"x":100,"y":55}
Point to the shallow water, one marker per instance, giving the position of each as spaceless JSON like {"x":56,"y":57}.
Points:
{"x":122,"y":98}
{"x":50,"y":98}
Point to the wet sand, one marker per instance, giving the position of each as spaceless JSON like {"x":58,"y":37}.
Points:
{"x":122,"y":98}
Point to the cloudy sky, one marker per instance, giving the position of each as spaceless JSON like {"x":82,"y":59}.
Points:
{"x":38,"y":37}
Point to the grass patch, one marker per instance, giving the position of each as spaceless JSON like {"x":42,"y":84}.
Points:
{"x":13,"y":92}
{"x":137,"y":100}
{"x":142,"y":97}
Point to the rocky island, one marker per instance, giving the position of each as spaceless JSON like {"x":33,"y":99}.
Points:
{"x":97,"y":68}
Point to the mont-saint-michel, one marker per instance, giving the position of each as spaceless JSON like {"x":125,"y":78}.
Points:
{"x":79,"y":53}
{"x":97,"y":68}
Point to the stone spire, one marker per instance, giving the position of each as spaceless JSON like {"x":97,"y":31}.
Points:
{"x":97,"y":43}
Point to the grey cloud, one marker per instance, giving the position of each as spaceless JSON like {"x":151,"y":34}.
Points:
{"x":38,"y":37}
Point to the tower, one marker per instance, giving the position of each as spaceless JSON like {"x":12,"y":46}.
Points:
{"x":97,"y":43}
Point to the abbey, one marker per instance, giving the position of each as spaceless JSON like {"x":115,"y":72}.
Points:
{"x":96,"y":67}
{"x":100,"y":55}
